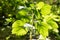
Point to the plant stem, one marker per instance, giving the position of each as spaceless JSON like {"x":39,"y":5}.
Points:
{"x":32,"y":24}
{"x":30,"y":35}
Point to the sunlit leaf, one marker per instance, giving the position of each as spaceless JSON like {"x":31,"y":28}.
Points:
{"x":53,"y":24}
{"x":46,"y":9}
{"x":39,"y":5}
{"x":47,"y":26}
{"x":19,"y":31}
{"x":18,"y":23}
{"x":17,"y":28}
{"x":43,"y":31}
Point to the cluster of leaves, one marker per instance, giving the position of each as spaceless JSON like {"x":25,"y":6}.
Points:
{"x":22,"y":11}
{"x":37,"y":13}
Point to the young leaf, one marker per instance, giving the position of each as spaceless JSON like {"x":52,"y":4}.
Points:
{"x":43,"y":31}
{"x":18,"y":23}
{"x":46,"y":9}
{"x":17,"y":28}
{"x":39,"y":5}
{"x":53,"y":24}
{"x":19,"y":31}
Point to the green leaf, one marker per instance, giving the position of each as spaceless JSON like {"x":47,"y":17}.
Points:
{"x":47,"y":18}
{"x":14,"y":30}
{"x":25,"y":19}
{"x":43,"y":29}
{"x":46,"y":9}
{"x":22,"y":12}
{"x":9,"y":19}
{"x":53,"y":24}
{"x":18,"y":23}
{"x":39,"y":5}
{"x":32,"y":5}
{"x":47,"y":26}
{"x":38,"y":16}
{"x":22,"y":32}
{"x":18,"y":29}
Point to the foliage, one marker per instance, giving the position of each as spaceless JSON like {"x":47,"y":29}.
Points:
{"x":29,"y":15}
{"x":41,"y":14}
